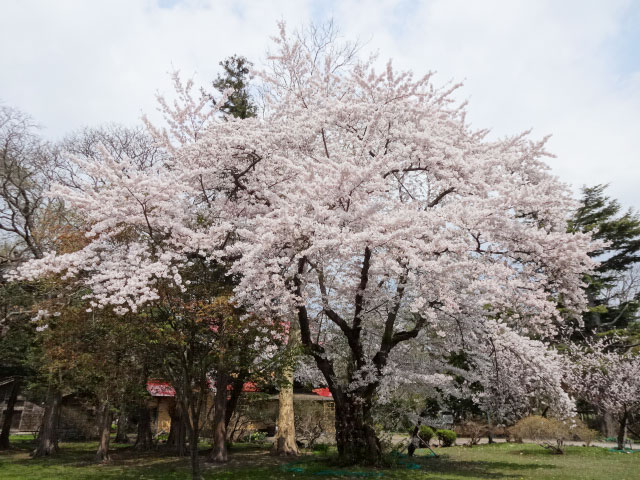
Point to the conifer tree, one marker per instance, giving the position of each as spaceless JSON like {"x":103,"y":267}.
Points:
{"x":236,"y":71}
{"x":612,"y":292}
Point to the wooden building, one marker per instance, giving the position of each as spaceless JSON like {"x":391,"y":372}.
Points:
{"x":256,"y":411}
{"x":27,"y":415}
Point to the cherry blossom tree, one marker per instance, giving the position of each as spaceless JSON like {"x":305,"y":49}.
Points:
{"x":371,"y":208}
{"x":521,"y":377}
{"x":149,"y":227}
{"x":362,"y":202}
{"x":607,"y":377}
{"x":504,"y":374}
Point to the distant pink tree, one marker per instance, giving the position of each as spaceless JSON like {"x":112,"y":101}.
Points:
{"x":607,"y":376}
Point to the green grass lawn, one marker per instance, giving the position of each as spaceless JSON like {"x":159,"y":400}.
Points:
{"x":500,"y":461}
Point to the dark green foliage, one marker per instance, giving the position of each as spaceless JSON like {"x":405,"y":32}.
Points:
{"x":322,"y":448}
{"x":17,"y":331}
{"x":426,"y":433}
{"x":604,"y":218}
{"x":431,"y":407}
{"x":235,"y":75}
{"x":447,"y":437}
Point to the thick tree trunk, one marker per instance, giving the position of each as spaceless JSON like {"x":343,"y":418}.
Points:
{"x":355,"y":436}
{"x":285,"y":441}
{"x":610,"y":425}
{"x":144,"y":438}
{"x":622,"y":430}
{"x":178,"y":432}
{"x":8,"y":414}
{"x":219,"y":452}
{"x":48,"y":434}
{"x":121,"y":427}
{"x":106,"y":417}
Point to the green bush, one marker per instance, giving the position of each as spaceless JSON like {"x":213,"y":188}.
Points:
{"x":426,"y":433}
{"x":321,"y":448}
{"x":447,"y":437}
{"x":258,"y":437}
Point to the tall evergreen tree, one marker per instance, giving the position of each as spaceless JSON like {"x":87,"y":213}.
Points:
{"x":236,"y":70}
{"x":235,"y":76}
{"x":613,"y":300}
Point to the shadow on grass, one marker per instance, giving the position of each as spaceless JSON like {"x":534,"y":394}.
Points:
{"x":490,"y":469}
{"x":76,"y":460}
{"x":408,"y":468}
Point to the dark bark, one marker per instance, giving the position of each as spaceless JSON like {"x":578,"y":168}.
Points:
{"x":121,"y":427}
{"x":355,"y":436}
{"x":48,"y":435}
{"x":178,"y":432}
{"x":106,"y":417}
{"x":194,"y":436}
{"x":219,"y":452}
{"x":356,"y":439}
{"x":490,"y":439}
{"x":234,"y":397}
{"x":622,"y":430}
{"x":193,"y":403}
{"x":232,"y":404}
{"x":144,"y":439}
{"x":8,"y":414}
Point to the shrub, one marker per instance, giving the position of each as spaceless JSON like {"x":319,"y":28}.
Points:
{"x":426,"y":434}
{"x":542,"y":430}
{"x":580,"y":431}
{"x":311,"y":423}
{"x":258,"y":437}
{"x":321,"y":448}
{"x":386,"y":442}
{"x":475,"y":430}
{"x":447,"y":438}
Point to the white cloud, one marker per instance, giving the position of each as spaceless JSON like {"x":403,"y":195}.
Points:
{"x":73,"y":63}
{"x":554,"y":66}
{"x":544,"y":65}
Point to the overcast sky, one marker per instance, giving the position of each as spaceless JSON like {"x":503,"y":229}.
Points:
{"x":566,"y":68}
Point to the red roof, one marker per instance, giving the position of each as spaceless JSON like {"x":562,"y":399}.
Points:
{"x":160,"y":389}
{"x":164,"y":389}
{"x":323,"y":392}
{"x":247,"y":387}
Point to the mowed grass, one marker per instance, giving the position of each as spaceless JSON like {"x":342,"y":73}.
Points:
{"x":500,"y":461}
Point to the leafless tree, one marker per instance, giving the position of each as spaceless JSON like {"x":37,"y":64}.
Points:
{"x":624,"y":292}
{"x":120,"y":143}
{"x":26,"y":166}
